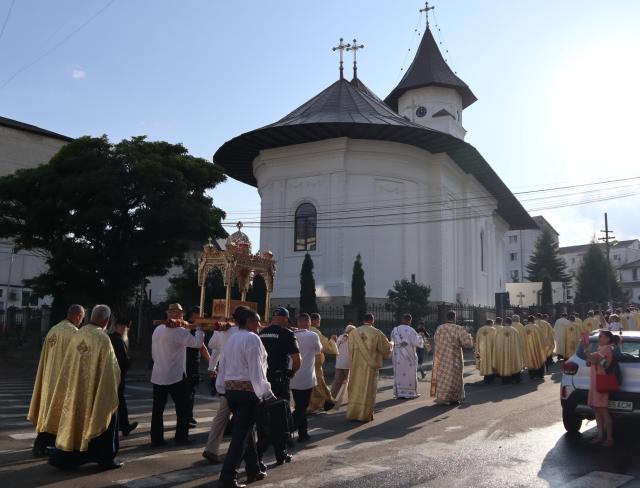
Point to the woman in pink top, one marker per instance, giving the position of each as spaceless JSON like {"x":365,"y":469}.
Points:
{"x":599,"y":402}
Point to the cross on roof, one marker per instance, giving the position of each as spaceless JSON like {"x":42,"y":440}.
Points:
{"x":341,"y":47}
{"x":426,"y":11}
{"x":355,"y":48}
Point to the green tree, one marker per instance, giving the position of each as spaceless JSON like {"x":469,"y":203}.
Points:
{"x":308,"y":302}
{"x":105,"y":216}
{"x":547,"y":291}
{"x":358,"y":290}
{"x":546,"y":260}
{"x":184,"y":287}
{"x":408,"y":296}
{"x":592,"y":278}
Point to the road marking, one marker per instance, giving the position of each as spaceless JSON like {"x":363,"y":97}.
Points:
{"x":25,"y":436}
{"x":148,"y":414}
{"x":171,"y":479}
{"x":150,"y":389}
{"x":599,"y":479}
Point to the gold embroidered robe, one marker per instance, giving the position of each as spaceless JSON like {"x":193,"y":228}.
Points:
{"x":485,"y":340}
{"x":321,"y":393}
{"x":507,"y":351}
{"x":535,"y":351}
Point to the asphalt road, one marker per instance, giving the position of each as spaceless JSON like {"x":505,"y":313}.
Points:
{"x":505,"y":436}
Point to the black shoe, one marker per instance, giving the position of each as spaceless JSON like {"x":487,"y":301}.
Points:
{"x":262,"y":466}
{"x":127,"y":430}
{"x":260,"y":475}
{"x":192,"y":423}
{"x":284,"y":459}
{"x":112,"y":465}
{"x":40,"y":451}
{"x":159,"y":443}
{"x":303,"y":437}
{"x":183,"y":442}
{"x":328,"y":405}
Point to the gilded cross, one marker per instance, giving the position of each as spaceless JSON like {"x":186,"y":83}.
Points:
{"x":239,"y":225}
{"x":426,"y":11}
{"x":355,"y":48}
{"x":341,"y":47}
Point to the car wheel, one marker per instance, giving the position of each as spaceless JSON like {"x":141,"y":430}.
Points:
{"x":571,"y":421}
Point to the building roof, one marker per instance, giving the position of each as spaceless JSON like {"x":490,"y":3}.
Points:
{"x":345,"y":110}
{"x":14,"y":124}
{"x":429,"y":69}
{"x":583,"y":247}
{"x":632,"y":264}
{"x":541,"y":221}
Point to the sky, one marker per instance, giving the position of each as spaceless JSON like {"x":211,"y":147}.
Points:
{"x":555,"y":81}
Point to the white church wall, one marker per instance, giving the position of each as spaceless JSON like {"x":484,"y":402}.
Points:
{"x":396,"y":238}
{"x":434,"y":99}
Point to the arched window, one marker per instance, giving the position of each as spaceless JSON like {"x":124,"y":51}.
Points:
{"x":481,"y":250}
{"x":305,"y":228}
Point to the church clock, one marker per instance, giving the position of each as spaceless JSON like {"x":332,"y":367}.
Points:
{"x":421,"y":111}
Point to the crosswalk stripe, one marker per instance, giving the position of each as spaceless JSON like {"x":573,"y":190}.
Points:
{"x":599,"y":479}
{"x":171,"y":479}
{"x":150,"y":389}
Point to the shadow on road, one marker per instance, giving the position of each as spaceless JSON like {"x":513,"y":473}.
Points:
{"x":573,"y":456}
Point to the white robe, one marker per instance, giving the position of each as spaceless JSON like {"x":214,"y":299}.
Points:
{"x":558,"y":331}
{"x":405,"y":361}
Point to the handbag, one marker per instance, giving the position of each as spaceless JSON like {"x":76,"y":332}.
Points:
{"x":607,"y":383}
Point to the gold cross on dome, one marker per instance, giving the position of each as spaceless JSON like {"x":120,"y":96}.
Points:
{"x":341,"y":47}
{"x":239,"y":225}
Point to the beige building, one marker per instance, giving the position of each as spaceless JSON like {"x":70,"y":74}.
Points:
{"x":22,"y":146}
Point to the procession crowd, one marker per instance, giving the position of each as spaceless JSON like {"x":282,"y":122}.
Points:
{"x":78,"y":405}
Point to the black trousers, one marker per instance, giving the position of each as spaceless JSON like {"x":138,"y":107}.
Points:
{"x":302,"y":398}
{"x":123,"y":412}
{"x":179,"y":395}
{"x":192,"y":385}
{"x":243,"y":406}
{"x":102,"y":450}
{"x":43,"y":440}
{"x":268,"y":436}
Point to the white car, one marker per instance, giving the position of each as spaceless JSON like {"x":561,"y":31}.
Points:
{"x":576,"y":380}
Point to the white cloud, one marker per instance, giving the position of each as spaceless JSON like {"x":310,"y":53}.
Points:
{"x":78,"y":74}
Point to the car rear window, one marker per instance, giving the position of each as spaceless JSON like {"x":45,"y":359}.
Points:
{"x":630,"y":349}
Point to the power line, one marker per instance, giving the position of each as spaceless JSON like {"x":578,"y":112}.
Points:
{"x":405,"y":202}
{"x":6,"y":19}
{"x":57,"y":45}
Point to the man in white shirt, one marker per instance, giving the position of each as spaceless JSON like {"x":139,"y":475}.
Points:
{"x":216,"y":345}
{"x":304,"y":380}
{"x":343,"y":363}
{"x":169,"y":353}
{"x":242,"y":378}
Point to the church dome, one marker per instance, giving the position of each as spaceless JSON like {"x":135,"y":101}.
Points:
{"x":344,"y":109}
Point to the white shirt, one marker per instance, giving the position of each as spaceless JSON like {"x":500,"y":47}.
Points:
{"x":343,"y":361}
{"x":217,"y":343}
{"x":615,"y":326}
{"x":169,"y":353}
{"x":244,"y":358}
{"x":310,"y":346}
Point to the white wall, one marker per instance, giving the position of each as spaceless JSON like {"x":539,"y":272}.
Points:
{"x":395,"y":242}
{"x":434,"y":99}
{"x":526,"y":294}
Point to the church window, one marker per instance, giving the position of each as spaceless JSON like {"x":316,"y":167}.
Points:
{"x":513,"y":256}
{"x":635,"y":274}
{"x":305,"y":228}
{"x":482,"y":251}
{"x":515,"y":276}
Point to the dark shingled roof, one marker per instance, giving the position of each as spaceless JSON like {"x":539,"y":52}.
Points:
{"x":584,"y":247}
{"x":343,"y":110}
{"x":429,"y":69}
{"x":14,"y":124}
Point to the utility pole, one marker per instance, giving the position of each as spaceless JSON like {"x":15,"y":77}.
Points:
{"x":607,"y":241}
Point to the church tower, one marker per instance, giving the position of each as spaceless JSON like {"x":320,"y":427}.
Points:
{"x":430,"y":93}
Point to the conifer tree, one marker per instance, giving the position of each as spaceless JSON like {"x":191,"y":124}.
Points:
{"x":592,"y":278}
{"x":308,"y":301}
{"x":546,"y":260}
{"x":547,"y":291}
{"x":358,"y":293}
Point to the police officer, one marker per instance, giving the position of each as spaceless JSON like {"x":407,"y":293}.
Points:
{"x":280,"y":344}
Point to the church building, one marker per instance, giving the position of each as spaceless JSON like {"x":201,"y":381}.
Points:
{"x":347,"y":173}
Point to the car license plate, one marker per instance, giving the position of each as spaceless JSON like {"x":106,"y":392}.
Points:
{"x":616,"y":405}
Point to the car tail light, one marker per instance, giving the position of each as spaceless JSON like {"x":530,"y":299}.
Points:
{"x":570,"y":368}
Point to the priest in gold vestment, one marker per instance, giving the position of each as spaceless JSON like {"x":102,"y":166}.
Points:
{"x":84,"y":406}
{"x":448,"y":363}
{"x":571,"y":337}
{"x":507,"y":353}
{"x":591,"y":323}
{"x":485,"y":340}
{"x":321,"y":395}
{"x":367,"y":347}
{"x":535,"y":355}
{"x":53,"y":350}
